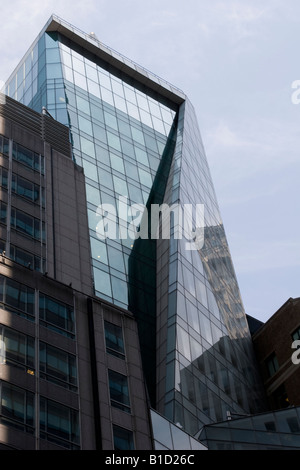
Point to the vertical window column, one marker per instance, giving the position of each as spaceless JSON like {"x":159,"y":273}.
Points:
{"x":8,"y":210}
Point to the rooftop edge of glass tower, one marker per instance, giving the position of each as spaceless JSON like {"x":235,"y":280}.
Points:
{"x":137,"y":138}
{"x":91,"y":43}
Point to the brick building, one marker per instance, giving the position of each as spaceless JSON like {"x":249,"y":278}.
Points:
{"x":273,"y":343}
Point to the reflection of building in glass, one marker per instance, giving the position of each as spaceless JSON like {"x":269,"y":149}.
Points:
{"x":169,"y":436}
{"x":278,"y":361}
{"x":137,"y":137}
{"x":265,"y":431}
{"x":216,"y":384}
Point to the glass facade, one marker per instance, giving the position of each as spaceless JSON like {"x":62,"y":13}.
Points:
{"x":209,"y":350}
{"x":268,"y":431}
{"x":138,"y":141}
{"x":167,"y":436}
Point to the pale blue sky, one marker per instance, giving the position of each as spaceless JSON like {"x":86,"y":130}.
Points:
{"x":236,"y":60}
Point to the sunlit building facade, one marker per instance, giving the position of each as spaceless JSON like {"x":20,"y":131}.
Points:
{"x":137,"y":139}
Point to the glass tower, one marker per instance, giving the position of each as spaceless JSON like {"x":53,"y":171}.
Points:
{"x":137,"y":138}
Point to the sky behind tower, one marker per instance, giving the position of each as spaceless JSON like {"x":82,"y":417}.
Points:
{"x":236,"y":60}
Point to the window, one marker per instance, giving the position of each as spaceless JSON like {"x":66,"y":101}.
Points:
{"x":26,"y":259}
{"x":280,"y":398}
{"x":3,"y":210}
{"x":3,"y":177}
{"x":114,"y":340}
{"x":19,"y":349}
{"x":272,"y":364}
{"x":22,"y":187}
{"x":119,"y":393}
{"x":296,"y":334}
{"x":27,"y":224}
{"x":123,"y":438}
{"x":16,"y":407}
{"x":28,"y":157}
{"x":27,"y":189}
{"x":59,"y":424}
{"x":58,"y":366}
{"x":57,"y":316}
{"x":4,"y":145}
{"x":18,"y":296}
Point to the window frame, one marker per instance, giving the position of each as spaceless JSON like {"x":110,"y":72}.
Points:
{"x":119,"y":351}
{"x":129,"y":432}
{"x":37,"y":160}
{"x":69,"y":318}
{"x":28,"y":362}
{"x":272,"y":364}
{"x":119,"y":391}
{"x":37,"y":226}
{"x":50,"y":434}
{"x":71,"y":382}
{"x":296,"y":334}
{"x":37,"y":192}
{"x":9,"y":417}
{"x":24,"y":292}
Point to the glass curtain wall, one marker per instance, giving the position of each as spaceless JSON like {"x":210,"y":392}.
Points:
{"x":118,"y":134}
{"x":119,"y":131}
{"x":208,"y":366}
